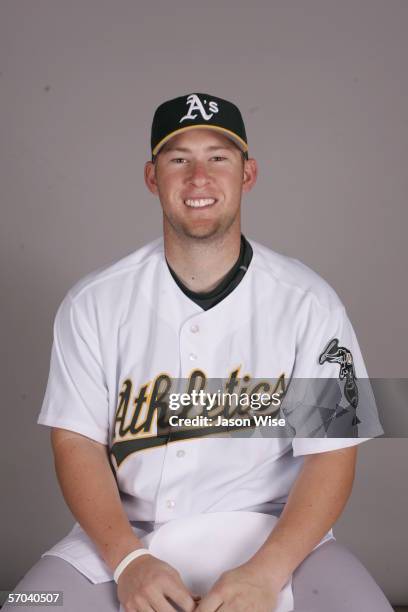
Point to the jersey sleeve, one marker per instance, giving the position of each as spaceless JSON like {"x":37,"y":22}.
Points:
{"x":76,"y":396}
{"x":333,"y":405}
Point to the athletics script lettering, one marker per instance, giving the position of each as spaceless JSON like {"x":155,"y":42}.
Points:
{"x":159,"y":411}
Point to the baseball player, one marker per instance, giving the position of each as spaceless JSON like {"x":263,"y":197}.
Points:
{"x":202,"y":302}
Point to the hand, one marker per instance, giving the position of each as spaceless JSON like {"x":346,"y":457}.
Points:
{"x":147,"y":584}
{"x":240,"y":590}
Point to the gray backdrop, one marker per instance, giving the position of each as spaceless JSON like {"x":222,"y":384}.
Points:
{"x":323,"y":89}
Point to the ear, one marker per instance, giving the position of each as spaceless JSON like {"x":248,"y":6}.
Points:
{"x":250,"y":174}
{"x":150,"y":177}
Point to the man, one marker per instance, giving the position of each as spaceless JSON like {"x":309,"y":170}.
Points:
{"x":202,"y":303}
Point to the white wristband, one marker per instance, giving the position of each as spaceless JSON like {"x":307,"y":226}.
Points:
{"x":128,"y":559}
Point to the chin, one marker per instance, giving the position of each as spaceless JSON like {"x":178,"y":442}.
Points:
{"x":202,"y":229}
{"x":201,"y":233}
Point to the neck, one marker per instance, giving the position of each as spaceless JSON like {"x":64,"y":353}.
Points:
{"x":198,"y":262}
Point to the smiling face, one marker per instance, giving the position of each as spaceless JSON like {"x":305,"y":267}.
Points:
{"x":199,"y":176}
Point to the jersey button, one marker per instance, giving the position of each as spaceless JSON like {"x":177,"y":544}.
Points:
{"x":195,"y":328}
{"x":170,"y":503}
{"x":180,"y":453}
{"x":193,"y":356}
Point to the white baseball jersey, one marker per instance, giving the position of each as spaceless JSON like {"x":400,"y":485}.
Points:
{"x":124,"y":329}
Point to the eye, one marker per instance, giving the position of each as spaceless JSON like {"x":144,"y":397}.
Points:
{"x":219,"y":158}
{"x":177,"y":160}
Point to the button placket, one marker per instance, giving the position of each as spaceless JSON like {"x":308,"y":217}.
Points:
{"x":191,"y":347}
{"x":179,"y":469}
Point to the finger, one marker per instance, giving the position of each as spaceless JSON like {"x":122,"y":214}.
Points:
{"x":139,"y":604}
{"x":210,"y":603}
{"x":145,"y":607}
{"x":180,"y":596}
{"x":129,"y":608}
{"x":160,"y":603}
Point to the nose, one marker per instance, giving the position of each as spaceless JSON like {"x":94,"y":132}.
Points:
{"x":199,"y":175}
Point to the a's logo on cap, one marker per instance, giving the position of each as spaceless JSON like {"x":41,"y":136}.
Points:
{"x":195,"y":104}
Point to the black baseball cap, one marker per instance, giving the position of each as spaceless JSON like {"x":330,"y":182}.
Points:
{"x":197,"y":110}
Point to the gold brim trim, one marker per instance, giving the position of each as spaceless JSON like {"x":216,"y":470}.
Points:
{"x":241,"y":143}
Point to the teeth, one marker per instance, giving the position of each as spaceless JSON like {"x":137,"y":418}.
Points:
{"x":199,"y":203}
